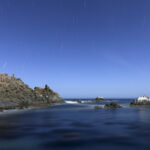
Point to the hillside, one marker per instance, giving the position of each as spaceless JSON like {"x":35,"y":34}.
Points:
{"x":14,"y":93}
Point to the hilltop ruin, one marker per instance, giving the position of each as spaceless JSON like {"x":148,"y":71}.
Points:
{"x":14,"y":92}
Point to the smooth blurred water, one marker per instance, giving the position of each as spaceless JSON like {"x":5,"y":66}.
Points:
{"x":75,"y":127}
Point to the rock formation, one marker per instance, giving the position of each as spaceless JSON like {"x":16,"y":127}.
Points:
{"x":98,"y":99}
{"x":112,"y":105}
{"x":145,"y":101}
{"x":77,"y":100}
{"x":15,"y":93}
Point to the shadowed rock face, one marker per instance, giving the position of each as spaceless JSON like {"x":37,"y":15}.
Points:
{"x":14,"y":92}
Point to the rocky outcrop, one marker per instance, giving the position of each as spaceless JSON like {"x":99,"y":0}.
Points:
{"x":77,"y":100}
{"x":98,"y":99}
{"x":112,"y":105}
{"x":15,"y":93}
{"x":141,"y":101}
{"x":46,"y":95}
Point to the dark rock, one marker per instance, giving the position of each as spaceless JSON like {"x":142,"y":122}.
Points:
{"x":15,"y":93}
{"x":23,"y":104}
{"x":112,"y":105}
{"x":77,"y":100}
{"x":98,"y":99}
{"x":144,"y":103}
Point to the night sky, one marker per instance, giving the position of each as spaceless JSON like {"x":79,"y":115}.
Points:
{"x":81,"y":48}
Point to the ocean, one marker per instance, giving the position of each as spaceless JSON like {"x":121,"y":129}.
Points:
{"x":75,"y":126}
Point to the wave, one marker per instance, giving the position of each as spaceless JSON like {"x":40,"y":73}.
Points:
{"x":71,"y":102}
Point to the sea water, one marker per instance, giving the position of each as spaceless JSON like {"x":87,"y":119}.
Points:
{"x":77,"y":127}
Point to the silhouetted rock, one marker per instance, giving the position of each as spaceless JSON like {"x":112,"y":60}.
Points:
{"x":14,"y":93}
{"x":112,"y":105}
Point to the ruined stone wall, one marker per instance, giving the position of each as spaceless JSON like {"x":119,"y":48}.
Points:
{"x":4,"y":78}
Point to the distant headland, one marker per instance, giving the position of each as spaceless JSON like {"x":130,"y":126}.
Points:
{"x":14,"y":93}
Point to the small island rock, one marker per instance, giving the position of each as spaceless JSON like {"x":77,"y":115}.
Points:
{"x":77,"y":100}
{"x":141,"y":101}
{"x":98,"y":99}
{"x":112,"y":105}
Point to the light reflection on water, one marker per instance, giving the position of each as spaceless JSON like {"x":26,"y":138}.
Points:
{"x":77,"y":126}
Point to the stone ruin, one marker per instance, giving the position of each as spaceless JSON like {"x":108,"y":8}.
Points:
{"x":5,"y":78}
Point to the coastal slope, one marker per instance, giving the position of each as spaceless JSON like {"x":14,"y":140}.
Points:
{"x":15,"y":93}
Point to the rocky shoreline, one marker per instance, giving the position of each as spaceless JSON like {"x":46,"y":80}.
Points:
{"x":15,"y":94}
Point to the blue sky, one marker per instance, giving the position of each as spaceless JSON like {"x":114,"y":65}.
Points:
{"x":81,"y":48}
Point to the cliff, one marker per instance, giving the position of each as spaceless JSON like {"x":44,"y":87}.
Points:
{"x":15,"y":93}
